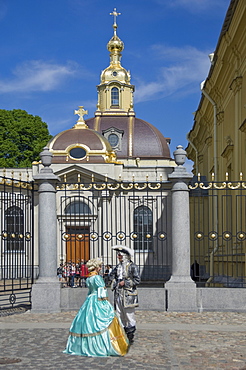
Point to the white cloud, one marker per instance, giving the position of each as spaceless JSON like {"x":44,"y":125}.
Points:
{"x":182,"y":68}
{"x":37,"y":75}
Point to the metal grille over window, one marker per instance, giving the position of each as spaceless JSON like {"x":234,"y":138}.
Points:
{"x":15,"y":228}
{"x":143,"y":227}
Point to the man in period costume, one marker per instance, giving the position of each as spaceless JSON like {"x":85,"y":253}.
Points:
{"x":125,"y":278}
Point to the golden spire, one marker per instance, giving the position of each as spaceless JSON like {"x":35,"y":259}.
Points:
{"x":115,"y":79}
{"x":115,"y":45}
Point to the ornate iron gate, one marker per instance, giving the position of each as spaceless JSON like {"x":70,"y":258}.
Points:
{"x":16,"y":264}
{"x":218,"y":233}
{"x":95,"y":216}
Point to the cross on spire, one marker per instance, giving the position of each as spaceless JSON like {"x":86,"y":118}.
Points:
{"x":115,"y":15}
{"x":81,"y":112}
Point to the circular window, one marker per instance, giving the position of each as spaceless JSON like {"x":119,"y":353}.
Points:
{"x":114,"y":73}
{"x":77,"y":153}
{"x":113,"y":139}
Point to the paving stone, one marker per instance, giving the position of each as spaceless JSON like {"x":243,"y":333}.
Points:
{"x":217,"y":341}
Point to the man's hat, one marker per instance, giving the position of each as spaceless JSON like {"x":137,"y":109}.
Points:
{"x":123,"y":249}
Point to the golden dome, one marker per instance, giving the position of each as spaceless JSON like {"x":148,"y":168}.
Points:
{"x":115,"y":44}
{"x":115,"y":73}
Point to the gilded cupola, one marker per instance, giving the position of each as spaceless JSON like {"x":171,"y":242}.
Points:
{"x":115,"y":92}
{"x":129,"y":136}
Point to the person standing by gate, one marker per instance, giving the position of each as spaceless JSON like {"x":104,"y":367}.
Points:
{"x":83,"y":274}
{"x":60,"y":271}
{"x":106,"y":274}
{"x":125,"y":278}
{"x":72,"y":275}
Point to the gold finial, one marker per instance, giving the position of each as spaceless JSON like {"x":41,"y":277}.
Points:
{"x":115,"y":15}
{"x":81,"y":112}
{"x":81,"y":122}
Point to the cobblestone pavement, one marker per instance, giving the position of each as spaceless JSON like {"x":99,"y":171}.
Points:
{"x":185,"y":341}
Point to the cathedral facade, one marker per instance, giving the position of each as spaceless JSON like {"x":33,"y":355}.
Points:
{"x":112,"y":186}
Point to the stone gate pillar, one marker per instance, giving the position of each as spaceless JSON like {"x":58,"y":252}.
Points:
{"x":46,"y":291}
{"x":181,"y":289}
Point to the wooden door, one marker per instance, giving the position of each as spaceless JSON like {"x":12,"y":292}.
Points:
{"x":77,"y":244}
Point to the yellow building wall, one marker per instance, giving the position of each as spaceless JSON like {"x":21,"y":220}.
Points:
{"x":226,"y":86}
{"x":217,"y":144}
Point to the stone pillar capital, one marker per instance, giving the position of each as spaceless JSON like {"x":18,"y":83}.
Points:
{"x":46,"y":179}
{"x":46,"y":182}
{"x":180,"y":173}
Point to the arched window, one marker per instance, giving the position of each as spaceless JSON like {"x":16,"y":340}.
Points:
{"x":77,"y":207}
{"x":115,"y":96}
{"x":14,"y":223}
{"x":143,"y":228}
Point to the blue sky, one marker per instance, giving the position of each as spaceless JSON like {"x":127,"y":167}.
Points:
{"x":53,"y":51}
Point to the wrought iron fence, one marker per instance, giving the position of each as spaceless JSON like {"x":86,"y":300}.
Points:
{"x":16,"y":242}
{"x":218,"y":232}
{"x":95,"y":216}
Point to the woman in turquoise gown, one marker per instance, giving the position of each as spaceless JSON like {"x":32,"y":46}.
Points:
{"x":96,"y":329}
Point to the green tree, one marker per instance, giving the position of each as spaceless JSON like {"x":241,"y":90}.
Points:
{"x":22,"y":138}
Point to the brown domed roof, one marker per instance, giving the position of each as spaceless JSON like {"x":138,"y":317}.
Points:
{"x":139,"y":139}
{"x":90,"y":146}
{"x":81,"y":136}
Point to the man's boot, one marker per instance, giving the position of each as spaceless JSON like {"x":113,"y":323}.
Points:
{"x":130,"y":333}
